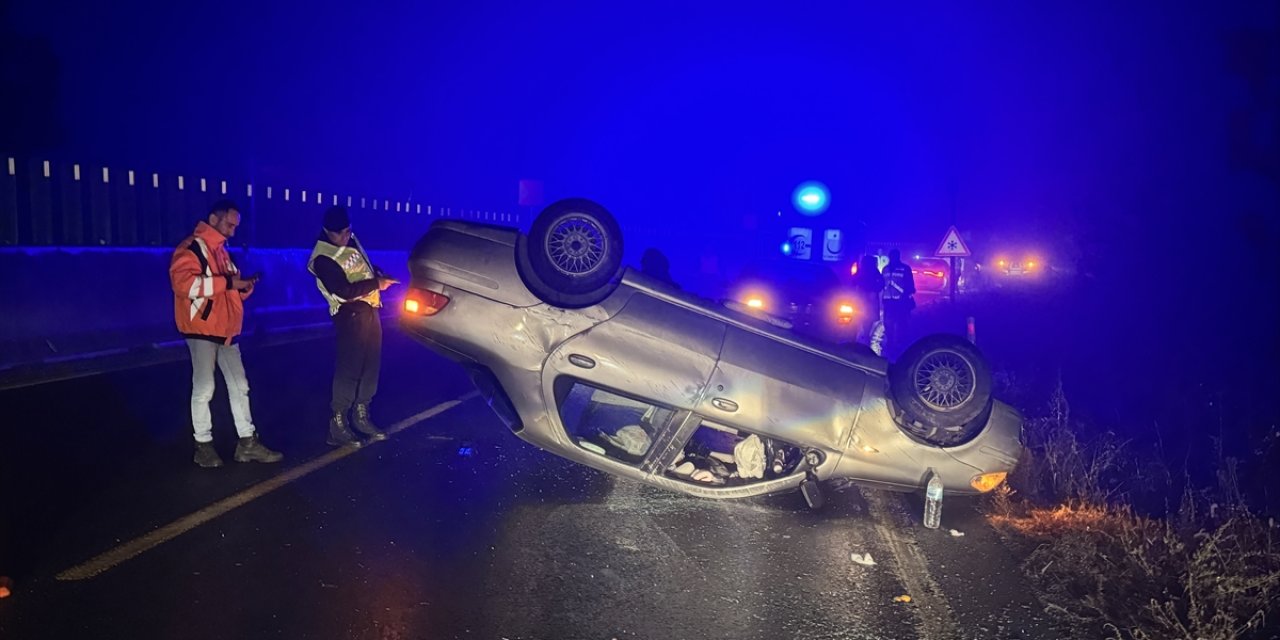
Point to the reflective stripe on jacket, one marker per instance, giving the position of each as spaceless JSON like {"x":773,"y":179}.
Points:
{"x":355,"y":264}
{"x":898,"y":282}
{"x":205,"y":305}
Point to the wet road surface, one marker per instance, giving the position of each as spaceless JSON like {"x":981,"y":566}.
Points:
{"x":452,"y":528}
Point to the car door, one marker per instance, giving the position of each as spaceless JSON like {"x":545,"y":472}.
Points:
{"x":647,"y":366}
{"x":768,"y":387}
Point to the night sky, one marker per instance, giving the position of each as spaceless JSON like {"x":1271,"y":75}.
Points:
{"x":1145,"y":133}
{"x":1003,"y":111}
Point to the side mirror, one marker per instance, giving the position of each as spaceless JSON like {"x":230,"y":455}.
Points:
{"x":812,"y":491}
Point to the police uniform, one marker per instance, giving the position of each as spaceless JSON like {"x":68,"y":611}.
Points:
{"x":899,"y":287}
{"x":349,"y":283}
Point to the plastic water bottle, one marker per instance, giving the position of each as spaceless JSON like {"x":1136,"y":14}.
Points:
{"x":933,"y":501}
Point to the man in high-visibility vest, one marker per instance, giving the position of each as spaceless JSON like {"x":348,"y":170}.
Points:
{"x":352,"y":286}
{"x":208,"y":295}
{"x":899,"y":289}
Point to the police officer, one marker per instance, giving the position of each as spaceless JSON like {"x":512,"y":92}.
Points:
{"x":655,"y":265}
{"x":899,"y":289}
{"x":352,"y":286}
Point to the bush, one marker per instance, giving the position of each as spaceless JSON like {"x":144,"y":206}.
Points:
{"x":1209,"y":571}
{"x":1061,"y":466}
{"x":1143,"y":579}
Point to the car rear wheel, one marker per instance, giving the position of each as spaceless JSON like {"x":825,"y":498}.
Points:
{"x":942,"y":388}
{"x":572,"y":255}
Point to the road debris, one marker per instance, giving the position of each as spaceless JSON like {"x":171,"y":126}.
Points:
{"x":902,"y":598}
{"x":863,"y":559}
{"x":957,"y":534}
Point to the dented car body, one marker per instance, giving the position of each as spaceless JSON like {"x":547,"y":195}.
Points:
{"x":701,"y":381}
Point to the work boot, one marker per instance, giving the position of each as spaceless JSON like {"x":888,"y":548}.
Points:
{"x":207,"y":456}
{"x":252,"y":450}
{"x":339,"y":433}
{"x":364,"y":424}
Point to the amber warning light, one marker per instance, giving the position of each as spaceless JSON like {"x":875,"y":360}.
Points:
{"x":420,"y":302}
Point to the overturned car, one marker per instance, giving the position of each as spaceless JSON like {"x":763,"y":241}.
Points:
{"x":612,"y":369}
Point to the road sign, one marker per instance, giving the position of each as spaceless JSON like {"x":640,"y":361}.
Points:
{"x":952,"y":246}
{"x":832,"y":245}
{"x":801,"y":239}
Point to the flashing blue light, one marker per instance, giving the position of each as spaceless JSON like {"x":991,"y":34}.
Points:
{"x":786,"y":248}
{"x":811,"y":198}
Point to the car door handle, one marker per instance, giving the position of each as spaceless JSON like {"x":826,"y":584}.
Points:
{"x":582,"y":361}
{"x":724,"y":404}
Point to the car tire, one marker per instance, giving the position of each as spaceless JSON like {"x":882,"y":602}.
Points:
{"x":572,"y":255}
{"x":941,"y":387}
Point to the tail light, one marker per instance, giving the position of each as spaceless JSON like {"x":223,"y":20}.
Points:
{"x":987,"y":481}
{"x":420,"y":302}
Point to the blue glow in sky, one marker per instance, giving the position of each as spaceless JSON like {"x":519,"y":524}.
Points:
{"x":1112,"y":124}
{"x":811,"y":198}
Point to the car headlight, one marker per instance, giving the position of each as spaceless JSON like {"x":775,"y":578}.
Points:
{"x":988,"y":481}
{"x":844,"y":313}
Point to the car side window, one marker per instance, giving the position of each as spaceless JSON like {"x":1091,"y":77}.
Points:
{"x":723,"y":456}
{"x":612,"y":425}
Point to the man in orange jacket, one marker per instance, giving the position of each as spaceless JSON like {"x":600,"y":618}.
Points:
{"x":208,"y":296}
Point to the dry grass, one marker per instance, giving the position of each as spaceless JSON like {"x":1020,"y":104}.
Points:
{"x":1143,"y":579}
{"x":1062,"y":467}
{"x":1201,"y":574}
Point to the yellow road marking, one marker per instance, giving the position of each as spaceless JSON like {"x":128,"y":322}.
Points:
{"x":934,"y":619}
{"x":146,"y":542}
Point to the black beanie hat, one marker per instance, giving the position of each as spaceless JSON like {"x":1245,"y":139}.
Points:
{"x":335,"y":218}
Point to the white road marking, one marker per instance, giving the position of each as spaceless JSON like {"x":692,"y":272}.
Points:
{"x":141,"y":544}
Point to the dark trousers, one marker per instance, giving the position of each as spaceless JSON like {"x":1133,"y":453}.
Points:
{"x":355,"y":380}
{"x":896,"y":315}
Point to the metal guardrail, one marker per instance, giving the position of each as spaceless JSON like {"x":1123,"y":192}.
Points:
{"x":48,"y":203}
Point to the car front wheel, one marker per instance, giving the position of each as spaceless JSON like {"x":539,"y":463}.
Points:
{"x":941,"y":387}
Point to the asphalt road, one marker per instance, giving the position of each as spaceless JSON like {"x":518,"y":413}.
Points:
{"x":452,"y":528}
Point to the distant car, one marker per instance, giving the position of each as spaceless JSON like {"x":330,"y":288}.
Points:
{"x":604,"y":366}
{"x":808,"y":295}
{"x":932,"y":275}
{"x":1017,"y":265}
